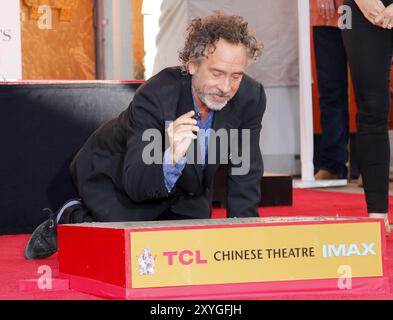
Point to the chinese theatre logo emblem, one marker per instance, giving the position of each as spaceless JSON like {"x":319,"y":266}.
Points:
{"x":146,"y":263}
{"x":65,"y":7}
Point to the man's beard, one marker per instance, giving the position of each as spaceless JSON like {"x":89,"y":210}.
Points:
{"x":214,"y":106}
{"x":205,"y":98}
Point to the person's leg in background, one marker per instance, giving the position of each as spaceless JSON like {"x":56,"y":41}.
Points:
{"x":369,"y":51}
{"x":331,"y":65}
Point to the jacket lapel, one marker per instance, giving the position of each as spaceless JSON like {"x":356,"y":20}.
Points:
{"x":226,"y":120}
{"x":185,"y":102}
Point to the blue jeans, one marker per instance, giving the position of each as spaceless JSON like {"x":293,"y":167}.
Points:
{"x":331,"y":64}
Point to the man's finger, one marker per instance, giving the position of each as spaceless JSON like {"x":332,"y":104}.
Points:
{"x":186,"y":127}
{"x":187,"y":115}
{"x":185,"y":121}
{"x":182,"y":138}
{"x":189,"y":136}
{"x":186,"y":118}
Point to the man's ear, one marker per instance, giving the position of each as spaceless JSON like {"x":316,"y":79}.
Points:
{"x":192,"y":66}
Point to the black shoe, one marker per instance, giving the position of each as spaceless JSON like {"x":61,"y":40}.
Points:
{"x":43,"y":241}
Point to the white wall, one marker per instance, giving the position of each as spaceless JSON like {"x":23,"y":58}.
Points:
{"x":10,"y":41}
{"x":280,"y":136}
{"x":118,"y":40}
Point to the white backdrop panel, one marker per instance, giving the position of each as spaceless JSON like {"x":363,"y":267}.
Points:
{"x":10,"y":41}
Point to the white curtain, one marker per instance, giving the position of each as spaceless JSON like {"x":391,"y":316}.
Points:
{"x":10,"y":41}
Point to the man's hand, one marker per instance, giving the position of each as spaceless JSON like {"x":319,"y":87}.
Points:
{"x":385,"y":18}
{"x":371,"y":9}
{"x":181,"y":134}
{"x":326,"y":8}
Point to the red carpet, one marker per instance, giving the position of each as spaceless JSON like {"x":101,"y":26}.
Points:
{"x":319,"y":203}
{"x":14,"y":268}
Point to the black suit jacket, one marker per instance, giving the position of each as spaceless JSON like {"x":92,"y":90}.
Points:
{"x":116,"y":184}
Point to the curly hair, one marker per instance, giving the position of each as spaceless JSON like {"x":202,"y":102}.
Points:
{"x":204,"y":33}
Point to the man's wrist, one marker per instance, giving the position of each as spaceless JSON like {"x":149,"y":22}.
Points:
{"x":173,"y":159}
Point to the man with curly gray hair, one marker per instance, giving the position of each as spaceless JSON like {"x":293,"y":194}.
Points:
{"x":208,"y":97}
{"x":225,"y":33}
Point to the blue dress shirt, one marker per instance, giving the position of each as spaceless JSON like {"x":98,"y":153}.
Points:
{"x":172,"y":173}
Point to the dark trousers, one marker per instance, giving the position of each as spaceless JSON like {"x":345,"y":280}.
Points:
{"x":331,"y":65}
{"x":80,"y":214}
{"x":369,"y":52}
